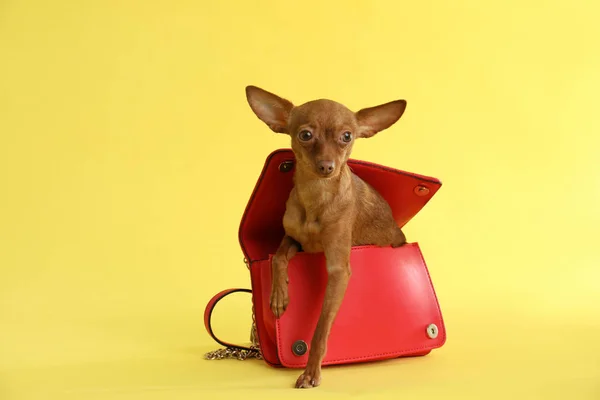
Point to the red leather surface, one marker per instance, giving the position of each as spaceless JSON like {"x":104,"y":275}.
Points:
{"x":390,"y":300}
{"x":261,"y":229}
{"x":389,"y":303}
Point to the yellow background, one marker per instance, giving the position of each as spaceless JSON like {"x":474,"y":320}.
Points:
{"x":128,"y":153}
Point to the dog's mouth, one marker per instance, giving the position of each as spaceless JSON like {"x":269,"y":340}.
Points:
{"x":328,"y":174}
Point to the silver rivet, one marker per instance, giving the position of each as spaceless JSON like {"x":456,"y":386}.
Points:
{"x":432,"y":331}
{"x":299,"y":347}
{"x":286,"y":166}
{"x":421,"y":190}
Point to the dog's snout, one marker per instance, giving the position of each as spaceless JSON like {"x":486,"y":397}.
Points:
{"x":326,"y":167}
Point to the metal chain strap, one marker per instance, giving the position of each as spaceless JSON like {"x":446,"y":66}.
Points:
{"x":236,"y":353}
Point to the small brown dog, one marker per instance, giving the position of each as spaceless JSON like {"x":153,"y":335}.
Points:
{"x":329,"y":209}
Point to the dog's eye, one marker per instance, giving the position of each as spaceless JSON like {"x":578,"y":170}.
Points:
{"x":305,"y":136}
{"x":347,"y":137}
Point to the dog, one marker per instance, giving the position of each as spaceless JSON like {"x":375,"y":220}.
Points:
{"x":329,"y":209}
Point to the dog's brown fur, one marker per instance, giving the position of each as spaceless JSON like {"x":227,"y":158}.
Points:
{"x":329,"y":209}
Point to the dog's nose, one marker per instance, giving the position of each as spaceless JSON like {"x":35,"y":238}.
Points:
{"x":326,"y":167}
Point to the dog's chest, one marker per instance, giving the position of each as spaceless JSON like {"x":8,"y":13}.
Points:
{"x":305,"y":225}
{"x":305,"y":229}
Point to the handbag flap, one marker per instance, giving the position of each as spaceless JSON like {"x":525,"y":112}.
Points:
{"x":261,"y":229}
{"x":389,"y":310}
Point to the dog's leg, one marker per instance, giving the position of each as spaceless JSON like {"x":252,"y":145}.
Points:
{"x":338,"y":271}
{"x":279,"y":276}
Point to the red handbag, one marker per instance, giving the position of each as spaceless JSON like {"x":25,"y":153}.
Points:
{"x":390,"y":308}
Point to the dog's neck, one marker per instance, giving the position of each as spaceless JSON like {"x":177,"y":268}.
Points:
{"x":315,"y":192}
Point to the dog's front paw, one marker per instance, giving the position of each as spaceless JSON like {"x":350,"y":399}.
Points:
{"x":309,"y":379}
{"x":279,"y":299}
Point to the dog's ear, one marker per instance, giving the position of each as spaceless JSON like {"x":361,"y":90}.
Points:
{"x":269,"y":108}
{"x":375,"y":119}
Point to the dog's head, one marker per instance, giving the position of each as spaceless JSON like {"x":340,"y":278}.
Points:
{"x":322,"y":131}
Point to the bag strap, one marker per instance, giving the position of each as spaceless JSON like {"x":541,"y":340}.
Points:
{"x":230,"y":350}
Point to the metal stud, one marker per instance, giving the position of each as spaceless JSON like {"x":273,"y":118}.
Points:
{"x":421,"y":190}
{"x":432,"y":331}
{"x":286,"y":166}
{"x":299,"y":348}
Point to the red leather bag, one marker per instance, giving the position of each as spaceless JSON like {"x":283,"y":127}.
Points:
{"x":390,"y":308}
